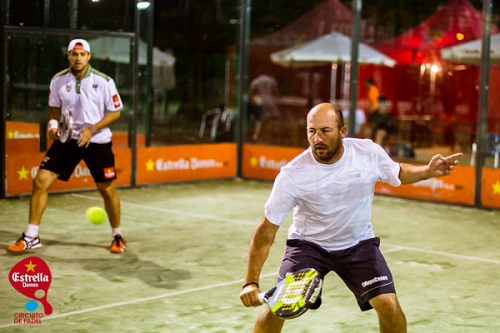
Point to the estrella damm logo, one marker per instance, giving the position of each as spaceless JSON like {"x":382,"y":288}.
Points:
{"x":31,"y":277}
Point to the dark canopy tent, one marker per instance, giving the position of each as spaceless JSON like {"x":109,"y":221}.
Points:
{"x":328,"y":16}
{"x":447,"y":98}
{"x":300,"y":84}
{"x":456,"y":22}
{"x":310,"y":83}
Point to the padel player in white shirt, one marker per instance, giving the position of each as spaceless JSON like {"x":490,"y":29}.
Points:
{"x":331,"y":202}
{"x":94,"y":102}
{"x":330,"y":188}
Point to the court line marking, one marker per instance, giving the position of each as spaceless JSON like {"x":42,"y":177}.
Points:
{"x":234,"y":221}
{"x":395,"y":248}
{"x":445,"y":254}
{"x":144,"y":299}
{"x":173,"y":211}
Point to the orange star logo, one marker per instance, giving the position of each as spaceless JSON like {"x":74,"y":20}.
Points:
{"x":150,"y":165}
{"x":23,"y":173}
{"x":30,"y":267}
{"x":496,"y":187}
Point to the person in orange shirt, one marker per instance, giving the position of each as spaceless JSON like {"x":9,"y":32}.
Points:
{"x":372,"y":112}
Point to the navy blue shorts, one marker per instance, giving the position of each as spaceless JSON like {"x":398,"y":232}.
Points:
{"x":62,"y":158}
{"x":362,"y":267}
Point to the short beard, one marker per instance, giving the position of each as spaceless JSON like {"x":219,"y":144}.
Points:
{"x":328,"y":155}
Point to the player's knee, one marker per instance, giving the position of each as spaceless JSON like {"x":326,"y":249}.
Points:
{"x":43,"y":180}
{"x":386,"y":304}
{"x":106,"y":189}
{"x":391,"y":317}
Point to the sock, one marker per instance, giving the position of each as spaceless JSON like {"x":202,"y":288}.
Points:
{"x":32,"y":230}
{"x":116,"y":231}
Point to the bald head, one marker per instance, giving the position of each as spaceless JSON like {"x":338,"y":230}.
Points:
{"x":328,"y":113}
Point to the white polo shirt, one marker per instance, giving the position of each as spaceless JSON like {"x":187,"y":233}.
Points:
{"x":331,"y":203}
{"x":88,"y":100}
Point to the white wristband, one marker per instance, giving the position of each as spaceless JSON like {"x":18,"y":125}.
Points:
{"x":53,"y":124}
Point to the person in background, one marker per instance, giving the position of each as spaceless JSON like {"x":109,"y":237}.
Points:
{"x":385,"y":126}
{"x":262,"y":97}
{"x":372,"y":109}
{"x":360,"y":119}
{"x":95,"y":103}
{"x":330,"y":188}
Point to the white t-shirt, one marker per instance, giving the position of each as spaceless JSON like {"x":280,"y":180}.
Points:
{"x":87,"y":99}
{"x":331,"y":202}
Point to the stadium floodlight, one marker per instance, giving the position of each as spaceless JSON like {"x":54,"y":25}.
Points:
{"x":143,"y":4}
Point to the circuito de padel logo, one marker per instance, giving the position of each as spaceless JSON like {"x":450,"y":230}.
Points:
{"x":31,"y":277}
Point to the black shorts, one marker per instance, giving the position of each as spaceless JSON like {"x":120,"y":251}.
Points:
{"x":386,"y":122}
{"x":374,"y":118}
{"x":362,"y":267}
{"x":62,"y":158}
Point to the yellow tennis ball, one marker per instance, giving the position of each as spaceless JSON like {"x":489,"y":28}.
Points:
{"x":96,"y":215}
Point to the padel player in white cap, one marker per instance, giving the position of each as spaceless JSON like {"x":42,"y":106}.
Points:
{"x":94,"y":103}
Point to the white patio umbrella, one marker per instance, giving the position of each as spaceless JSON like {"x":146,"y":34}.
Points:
{"x":332,"y":49}
{"x":470,"y":52}
{"x":117,"y":50}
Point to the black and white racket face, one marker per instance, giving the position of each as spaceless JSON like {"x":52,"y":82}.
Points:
{"x":296,"y":293}
{"x":65,"y":129}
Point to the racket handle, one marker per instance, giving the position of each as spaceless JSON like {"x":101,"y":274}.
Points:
{"x":263,"y":298}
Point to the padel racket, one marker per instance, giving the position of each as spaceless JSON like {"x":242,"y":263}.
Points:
{"x":65,"y":129}
{"x":294,"y":295}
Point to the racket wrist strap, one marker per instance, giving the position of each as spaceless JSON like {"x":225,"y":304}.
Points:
{"x":53,"y":124}
{"x":250,"y":283}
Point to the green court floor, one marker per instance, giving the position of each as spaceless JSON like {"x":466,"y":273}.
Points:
{"x":186,"y":255}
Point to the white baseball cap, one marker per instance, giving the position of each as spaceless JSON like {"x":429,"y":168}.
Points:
{"x":84,"y":45}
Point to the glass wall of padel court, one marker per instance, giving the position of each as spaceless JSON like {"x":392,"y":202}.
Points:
{"x":225,"y":95}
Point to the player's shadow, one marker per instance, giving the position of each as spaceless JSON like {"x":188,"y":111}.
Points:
{"x":114,"y":269}
{"x":130,"y":265}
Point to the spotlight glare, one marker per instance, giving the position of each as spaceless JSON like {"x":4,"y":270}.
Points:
{"x":142,"y":5}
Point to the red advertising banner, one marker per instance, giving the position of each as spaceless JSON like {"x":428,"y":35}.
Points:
{"x":22,"y":168}
{"x":15,"y":130}
{"x":24,"y":137}
{"x":187,"y":162}
{"x":193,"y":162}
{"x":490,"y":188}
{"x":456,"y":188}
{"x":265,"y":162}
{"x":21,"y":137}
